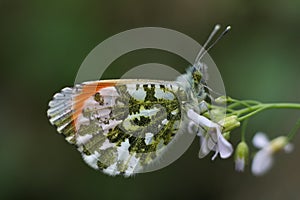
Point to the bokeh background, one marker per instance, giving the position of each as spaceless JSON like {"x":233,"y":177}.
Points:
{"x":43,"y":43}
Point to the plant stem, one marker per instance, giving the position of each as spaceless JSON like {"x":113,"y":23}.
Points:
{"x":293,"y":132}
{"x":252,"y":110}
{"x":243,"y":132}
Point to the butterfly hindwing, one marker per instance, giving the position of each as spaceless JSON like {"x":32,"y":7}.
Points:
{"x":119,"y":126}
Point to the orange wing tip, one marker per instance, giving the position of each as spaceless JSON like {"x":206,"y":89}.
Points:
{"x":67,"y":105}
{"x":88,"y":89}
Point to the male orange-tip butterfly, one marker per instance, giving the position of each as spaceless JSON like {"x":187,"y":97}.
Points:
{"x":122,"y":126}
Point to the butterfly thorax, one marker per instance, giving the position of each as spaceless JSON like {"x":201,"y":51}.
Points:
{"x":194,"y":83}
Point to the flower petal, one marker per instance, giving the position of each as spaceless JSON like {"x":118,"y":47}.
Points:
{"x":262,"y":162}
{"x":191,"y":127}
{"x":240,"y":164}
{"x":204,"y":150}
{"x":224,"y":147}
{"x":200,"y":120}
{"x":260,"y":140}
{"x":288,"y":148}
{"x":211,"y":143}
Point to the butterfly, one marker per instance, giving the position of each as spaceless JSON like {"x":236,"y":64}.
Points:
{"x":123,"y":126}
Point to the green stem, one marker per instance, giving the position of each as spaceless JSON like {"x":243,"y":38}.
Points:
{"x":243,"y":132}
{"x":284,"y":105}
{"x":251,"y":114}
{"x":252,"y":110}
{"x":293,"y":132}
{"x":235,"y":102}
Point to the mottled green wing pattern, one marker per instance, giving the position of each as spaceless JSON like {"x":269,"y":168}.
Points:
{"x":119,"y":126}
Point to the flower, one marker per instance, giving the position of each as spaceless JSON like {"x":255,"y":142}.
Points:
{"x":241,"y":156}
{"x":211,"y":139}
{"x":263,"y":160}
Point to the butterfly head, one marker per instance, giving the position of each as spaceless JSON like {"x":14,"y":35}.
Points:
{"x":196,"y":76}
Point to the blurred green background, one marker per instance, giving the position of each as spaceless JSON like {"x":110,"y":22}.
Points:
{"x":43,"y":43}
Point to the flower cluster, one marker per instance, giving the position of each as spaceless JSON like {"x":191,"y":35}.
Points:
{"x":214,"y":134}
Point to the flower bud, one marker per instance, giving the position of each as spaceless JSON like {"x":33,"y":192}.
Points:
{"x":221,"y":100}
{"x":226,"y":135}
{"x":241,"y":156}
{"x":278,"y":143}
{"x":229,"y":123}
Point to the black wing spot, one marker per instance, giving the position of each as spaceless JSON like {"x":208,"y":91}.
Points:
{"x":98,"y":98}
{"x":143,"y":121}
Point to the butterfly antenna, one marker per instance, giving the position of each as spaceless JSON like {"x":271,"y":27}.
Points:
{"x":212,"y":34}
{"x":203,"y":51}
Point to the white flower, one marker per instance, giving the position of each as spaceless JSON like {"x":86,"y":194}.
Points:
{"x":212,"y":139}
{"x":263,"y":160}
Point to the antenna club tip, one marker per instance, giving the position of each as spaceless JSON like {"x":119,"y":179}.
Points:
{"x":217,"y":26}
{"x":228,"y":27}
